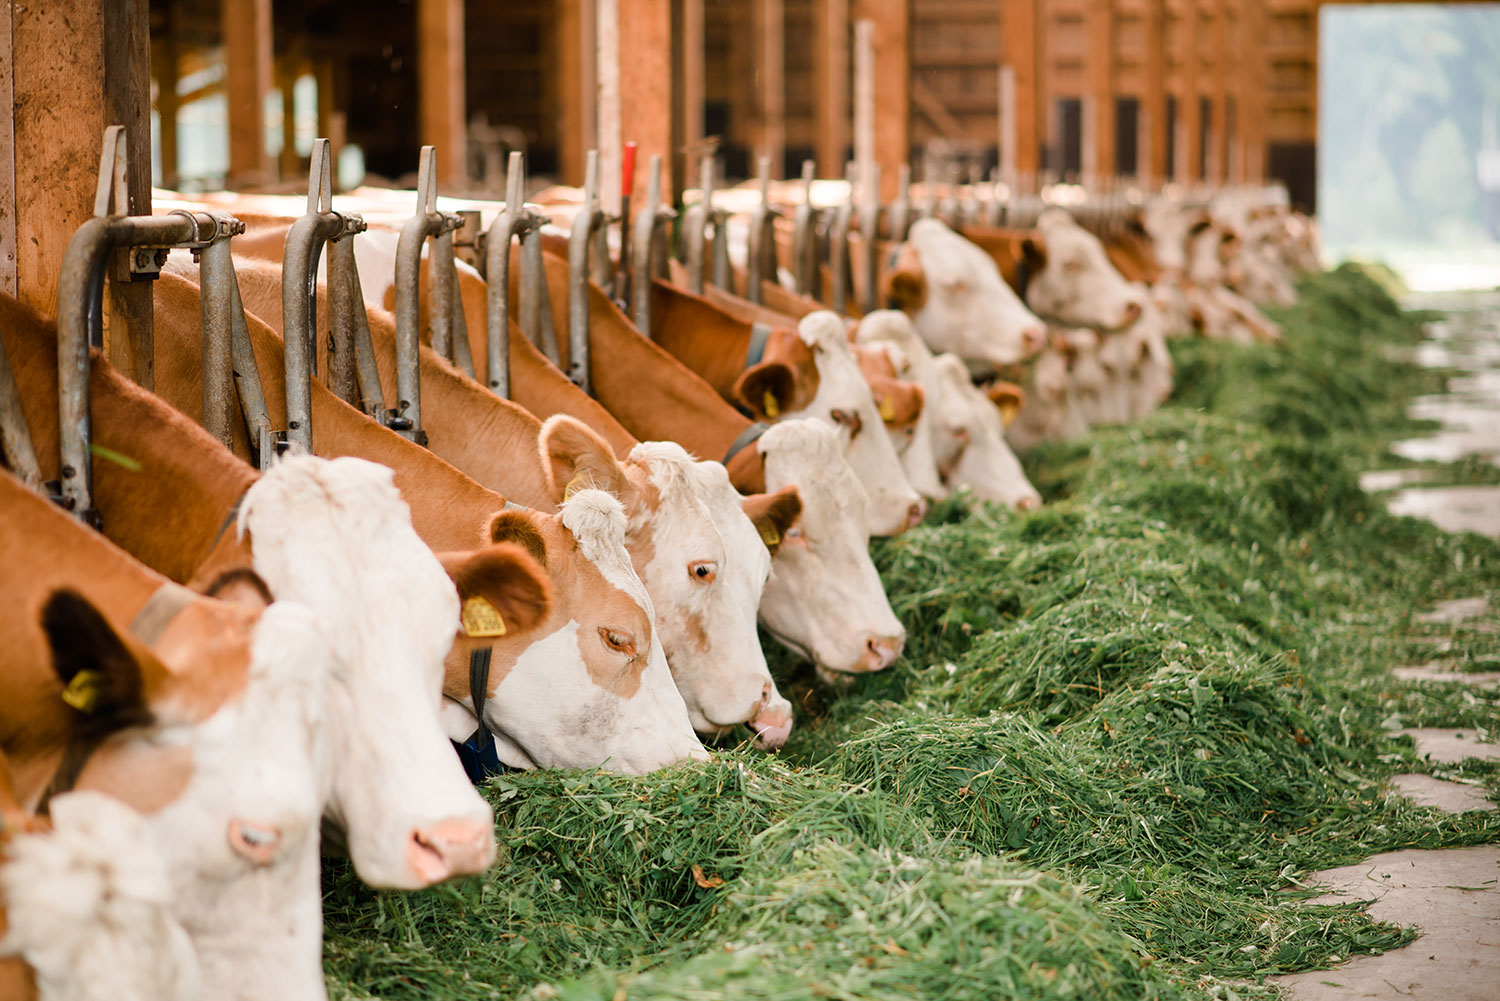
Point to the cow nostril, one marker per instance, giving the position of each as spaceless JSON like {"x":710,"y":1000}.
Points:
{"x":915,"y":513}
{"x":1028,"y":503}
{"x":1132,"y":313}
{"x":1034,"y":339}
{"x":450,"y":848}
{"x":882,"y":651}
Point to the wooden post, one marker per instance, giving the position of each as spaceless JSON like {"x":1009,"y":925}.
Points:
{"x":289,"y":163}
{"x":607,"y":102}
{"x":246,"y":25}
{"x":771,"y":30}
{"x":78,"y":66}
{"x":864,"y":101}
{"x":164,"y":73}
{"x":441,"y":106}
{"x":692,"y":85}
{"x":1020,"y":40}
{"x":640,"y":54}
{"x":1190,"y":123}
{"x":1099,"y":103}
{"x":1007,"y":133}
{"x":571,"y":89}
{"x":1152,"y":146}
{"x":891,"y":20}
{"x":1253,"y":102}
{"x":7,"y":158}
{"x":831,"y":84}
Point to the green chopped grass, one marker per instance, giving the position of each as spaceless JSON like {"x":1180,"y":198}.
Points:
{"x":1125,"y":729}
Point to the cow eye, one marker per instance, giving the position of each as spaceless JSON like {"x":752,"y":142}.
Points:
{"x":620,"y":642}
{"x":703,"y":571}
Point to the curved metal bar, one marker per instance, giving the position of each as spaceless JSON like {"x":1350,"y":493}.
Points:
{"x":406,"y":417}
{"x":760,"y":264}
{"x":247,"y":377}
{"x":515,"y":221}
{"x":586,"y":227}
{"x":648,"y":258}
{"x":216,"y":309}
{"x":695,"y":222}
{"x":805,"y":274}
{"x":372,"y":396}
{"x":536,"y":302}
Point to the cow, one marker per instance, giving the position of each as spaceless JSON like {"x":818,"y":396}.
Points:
{"x":966,"y":429}
{"x":636,"y":727}
{"x":1052,"y":408}
{"x":696,"y":550}
{"x":206,"y":716}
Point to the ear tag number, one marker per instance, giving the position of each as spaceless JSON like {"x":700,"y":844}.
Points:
{"x":84,"y":691}
{"x":480,"y":618}
{"x":770,"y":536}
{"x":887,"y":409}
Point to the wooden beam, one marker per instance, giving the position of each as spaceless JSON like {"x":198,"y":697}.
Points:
{"x":79,"y":66}
{"x":831,"y":84}
{"x":770,"y":24}
{"x":1190,"y":123}
{"x":646,"y":105}
{"x":246,"y":28}
{"x":692,"y":87}
{"x":891,"y":20}
{"x":1152,"y":146}
{"x":289,"y":164}
{"x":7,"y":157}
{"x":1099,"y":108}
{"x":164,"y":75}
{"x":441,"y":106}
{"x":1020,"y":41}
{"x":571,"y":90}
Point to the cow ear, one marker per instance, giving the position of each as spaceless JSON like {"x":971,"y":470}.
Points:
{"x":1034,"y":253}
{"x":501,"y":590}
{"x":1008,"y":397}
{"x":903,"y":288}
{"x":766,"y":389}
{"x":576,"y":458}
{"x":518,"y":527}
{"x":774,"y":514}
{"x":241,"y":586}
{"x":103,"y":678}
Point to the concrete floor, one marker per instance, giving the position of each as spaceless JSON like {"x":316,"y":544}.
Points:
{"x":1451,"y":895}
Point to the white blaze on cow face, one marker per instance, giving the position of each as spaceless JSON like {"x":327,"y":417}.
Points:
{"x":844,"y":400}
{"x":700,"y":558}
{"x":1077,"y":286}
{"x":1168,"y":224}
{"x":89,"y":907}
{"x":1050,"y":411}
{"x":965,"y":430}
{"x":962,"y":305}
{"x":595,"y":691}
{"x":825,"y":599}
{"x":337,"y":536}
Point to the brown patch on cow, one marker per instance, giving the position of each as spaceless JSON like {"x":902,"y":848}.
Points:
{"x":577,"y":458}
{"x":900,"y":403}
{"x":640,"y":533}
{"x":904,"y":285}
{"x":773,"y":514}
{"x":240,"y":586}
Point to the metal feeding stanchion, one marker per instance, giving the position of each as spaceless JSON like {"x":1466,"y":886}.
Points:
{"x":899,"y":213}
{"x":760,"y":265}
{"x":80,"y":309}
{"x":841,"y":275}
{"x":587,"y":225}
{"x":869,"y":231}
{"x":648,"y":248}
{"x":406,"y":417}
{"x":696,"y":220}
{"x":536,"y":309}
{"x":805,"y":271}
{"x":299,"y":299}
{"x":994,"y":206}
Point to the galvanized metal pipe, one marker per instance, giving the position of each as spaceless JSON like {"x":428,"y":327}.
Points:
{"x":406,"y":418}
{"x":497,"y":275}
{"x":80,"y":294}
{"x":247,"y":376}
{"x":695,"y":221}
{"x":299,"y":315}
{"x":900,"y":210}
{"x":345,"y":306}
{"x":586,"y":225}
{"x":444,"y":282}
{"x":805,"y":273}
{"x":15,"y":433}
{"x":648,"y":248}
{"x":838,"y":250}
{"x":463,"y":354}
{"x":216,"y":308}
{"x":869,"y":231}
{"x":537,"y":322}
{"x":760,"y":265}
{"x":372,"y":396}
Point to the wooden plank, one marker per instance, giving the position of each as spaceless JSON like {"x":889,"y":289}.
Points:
{"x":441,"y":106}
{"x":164,"y":74}
{"x":61,"y":107}
{"x":7,"y":158}
{"x":831,"y":84}
{"x":891,"y":20}
{"x":607,"y":102}
{"x":1020,"y":41}
{"x":864,"y":102}
{"x":1099,"y":105}
{"x":571,"y":90}
{"x":692,"y":86}
{"x":646,"y":104}
{"x":1151,"y":149}
{"x":246,"y":25}
{"x":1188,"y":120}
{"x":770,"y":25}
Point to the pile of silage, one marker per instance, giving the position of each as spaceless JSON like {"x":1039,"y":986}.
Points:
{"x":1124,"y":724}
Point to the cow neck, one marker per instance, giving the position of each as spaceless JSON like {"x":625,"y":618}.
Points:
{"x":164,"y":502}
{"x":705,"y":338}
{"x":1003,"y":246}
{"x":449,"y":510}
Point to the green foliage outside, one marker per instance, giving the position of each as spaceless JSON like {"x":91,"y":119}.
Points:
{"x":1126,"y":727}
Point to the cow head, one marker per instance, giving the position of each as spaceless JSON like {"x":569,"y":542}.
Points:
{"x":701,"y":560}
{"x":1072,"y":282}
{"x":228,"y":763}
{"x":825,"y":598}
{"x":1169,"y":224}
{"x":591,"y":686}
{"x":843,"y":399}
{"x":955,"y":295}
{"x":902,"y":401}
{"x":336,"y":535}
{"x":89,"y":904}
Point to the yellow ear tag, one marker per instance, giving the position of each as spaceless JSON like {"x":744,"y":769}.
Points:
{"x":84,"y":691}
{"x":1008,"y":411}
{"x":480,"y":618}
{"x":574,"y":485}
{"x":887,"y":409}
{"x":769,"y":535}
{"x":769,"y":405}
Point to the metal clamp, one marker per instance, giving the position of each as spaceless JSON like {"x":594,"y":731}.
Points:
{"x":536,"y":308}
{"x":761,"y":265}
{"x":696,"y":220}
{"x":806,"y":274}
{"x":406,"y":417}
{"x":648,"y":248}
{"x":587,"y":226}
{"x":80,"y":310}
